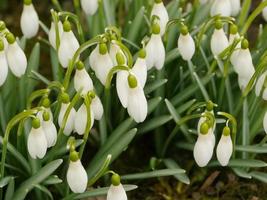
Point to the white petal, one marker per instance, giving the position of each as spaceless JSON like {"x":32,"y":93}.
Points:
{"x":67,"y":48}
{"x":29,"y":21}
{"x":40,"y":114}
{"x":116,"y":193}
{"x":264,"y":13}
{"x":265,"y":122}
{"x":50,"y":132}
{"x":260,"y":83}
{"x":219,"y":42}
{"x":122,"y":87}
{"x":186,"y":46}
{"x":16,"y":59}
{"x":77,"y":177}
{"x":52,"y":33}
{"x":37,"y":143}
{"x":243,"y":64}
{"x":83,"y":81}
{"x":222,"y":7}
{"x":93,"y":57}
{"x":224,"y":150}
{"x":264,"y":94}
{"x":70,"y":120}
{"x":140,"y":71}
{"x":97,"y":108}
{"x":89,"y":6}
{"x":235,"y":7}
{"x":137,"y":104}
{"x":3,"y":68}
{"x":113,"y":50}
{"x":81,"y":120}
{"x":160,"y":11}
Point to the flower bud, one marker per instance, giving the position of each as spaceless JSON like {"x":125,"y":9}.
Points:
{"x":140,"y":68}
{"x":83,"y":81}
{"x":89,"y":7}
{"x":116,"y":192}
{"x":235,"y":7}
{"x":186,"y":45}
{"x":221,"y":7}
{"x":219,"y":41}
{"x":97,"y":108}
{"x":122,"y":87}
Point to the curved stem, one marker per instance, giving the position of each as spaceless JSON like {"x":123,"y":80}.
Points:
{"x":35,"y":95}
{"x":126,"y":51}
{"x":112,"y":72}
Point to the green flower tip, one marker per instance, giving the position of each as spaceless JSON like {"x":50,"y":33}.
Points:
{"x":209,"y":106}
{"x":226,"y":131}
{"x":120,"y":58}
{"x":27,"y":2}
{"x":103,"y":49}
{"x":244,"y":44}
{"x":65,"y":97}
{"x":184,"y":30}
{"x":46,"y":116}
{"x":233,"y":29}
{"x":158,"y":1}
{"x":142,"y":53}
{"x":74,"y":156}
{"x":91,"y":94}
{"x":116,"y":179}
{"x":10,"y":38}
{"x":79,"y":65}
{"x":2,"y":45}
{"x":2,"y":25}
{"x":46,"y":103}
{"x":66,"y":26}
{"x":36,"y":123}
{"x":204,"y":128}
{"x":132,"y":81}
{"x":156,"y":29}
{"x":218,"y":24}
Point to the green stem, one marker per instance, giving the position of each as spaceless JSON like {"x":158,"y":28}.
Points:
{"x":245,"y":127}
{"x":56,"y":20}
{"x":112,"y":72}
{"x":35,"y":95}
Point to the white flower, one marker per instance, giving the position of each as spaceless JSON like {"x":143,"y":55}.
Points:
{"x":70,"y":120}
{"x":68,"y":45}
{"x":235,"y":7}
{"x":29,"y":21}
{"x":122,"y":87}
{"x":116,"y":193}
{"x":224,"y":150}
{"x":155,"y":52}
{"x":160,"y":11}
{"x":16,"y":58}
{"x":219,"y":42}
{"x":260,"y":84}
{"x":50,"y":132}
{"x":265,"y":122}
{"x":113,"y":50}
{"x":186,"y":46}
{"x":37,"y":143}
{"x":39,"y":115}
{"x":264,"y":13}
{"x":221,"y":7}
{"x":89,"y":6}
{"x":77,"y":177}
{"x":82,"y":81}
{"x":140,"y":71}
{"x":97,"y":108}
{"x":52,"y":33}
{"x":3,"y":67}
{"x":210,"y":134}
{"x":81,"y":119}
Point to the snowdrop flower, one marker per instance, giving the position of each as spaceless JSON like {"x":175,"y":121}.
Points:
{"x":82,"y":80}
{"x":221,"y":7}
{"x":186,"y":44}
{"x":29,"y":21}
{"x":68,"y":45}
{"x":160,"y":11}
{"x":52,"y":33}
{"x":70,"y":120}
{"x":259,"y":87}
{"x":225,"y":147}
{"x":101,"y":62}
{"x":137,"y":103}
{"x":3,"y":63}
{"x":265,"y":122}
{"x":97,"y":108}
{"x":116,"y":190}
{"x":235,"y":7}
{"x":264,"y":13}
{"x":49,"y":129}
{"x":219,"y":41}
{"x":232,"y":36}
{"x":203,"y":149}
{"x":37,"y":143}
{"x":46,"y":104}
{"x":113,"y":50}
{"x":16,"y":58}
{"x":89,"y":6}
{"x":140,"y":68}
{"x":76,"y":175}
{"x":155,"y":49}
{"x":81,"y":119}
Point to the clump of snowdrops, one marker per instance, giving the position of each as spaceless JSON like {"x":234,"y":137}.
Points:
{"x":108,"y":82}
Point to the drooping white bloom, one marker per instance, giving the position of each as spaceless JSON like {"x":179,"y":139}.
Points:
{"x":210,"y":134}
{"x":113,"y":50}
{"x":29,"y":21}
{"x":81,"y":119}
{"x":160,"y":11}
{"x":97,"y":108}
{"x":221,"y":7}
{"x":186,"y":46}
{"x":77,"y":177}
{"x":140,"y":71}
{"x":259,"y":86}
{"x":116,"y":193}
{"x":52,"y":33}
{"x":83,"y":81}
{"x":224,"y":150}
{"x":50,"y":132}
{"x":68,"y":45}
{"x":3,"y":67}
{"x":235,"y":7}
{"x":69,"y":127}
{"x":219,"y":41}
{"x":89,"y":6}
{"x":16,"y":59}
{"x":39,"y":115}
{"x":264,"y":13}
{"x":37,"y":143}
{"x":122,"y":87}
{"x":265,"y":122}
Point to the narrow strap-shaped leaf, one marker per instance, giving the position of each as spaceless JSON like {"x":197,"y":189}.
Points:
{"x":242,"y":163}
{"x":10,"y":189}
{"x":261,"y":176}
{"x":154,"y":85}
{"x":242,"y":173}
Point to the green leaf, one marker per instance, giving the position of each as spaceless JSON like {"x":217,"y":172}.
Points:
{"x":44,"y":190}
{"x":152,"y":104}
{"x":242,"y":163}
{"x":242,"y":173}
{"x":153,"y":174}
{"x":4,"y":181}
{"x":37,"y":178}
{"x":261,"y":176}
{"x":154,"y":85}
{"x":252,"y":149}
{"x":172,"y":111}
{"x":10,"y":189}
{"x":51,"y":180}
